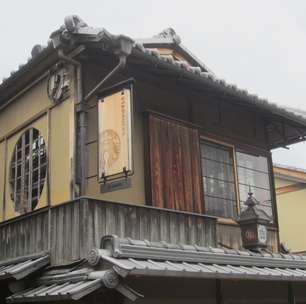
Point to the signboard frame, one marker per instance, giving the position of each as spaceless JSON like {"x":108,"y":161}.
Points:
{"x":126,"y":89}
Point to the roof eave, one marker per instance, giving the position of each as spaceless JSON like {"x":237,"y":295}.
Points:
{"x":228,"y":90}
{"x":9,"y":87}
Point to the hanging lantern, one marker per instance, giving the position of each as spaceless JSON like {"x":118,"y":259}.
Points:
{"x":253,"y":224}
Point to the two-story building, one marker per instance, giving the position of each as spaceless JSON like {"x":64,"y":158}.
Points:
{"x":130,"y":172}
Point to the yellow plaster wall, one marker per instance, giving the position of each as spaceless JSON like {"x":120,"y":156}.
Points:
{"x":24,"y":108}
{"x":291,"y":215}
{"x":61,"y":152}
{"x":2,"y":173}
{"x":136,"y":193}
{"x":279,"y":182}
{"x":56,"y":124}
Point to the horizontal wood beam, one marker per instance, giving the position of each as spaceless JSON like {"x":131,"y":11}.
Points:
{"x":290,"y":188}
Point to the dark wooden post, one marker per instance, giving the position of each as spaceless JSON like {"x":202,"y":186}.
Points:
{"x":291,"y":296}
{"x":219,"y":296}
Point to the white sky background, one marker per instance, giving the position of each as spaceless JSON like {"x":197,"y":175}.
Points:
{"x":258,"y":45}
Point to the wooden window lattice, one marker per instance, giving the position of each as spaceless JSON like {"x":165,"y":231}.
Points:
{"x":28,"y":170}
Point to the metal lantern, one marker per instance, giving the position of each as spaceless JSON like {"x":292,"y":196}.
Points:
{"x":253,"y":224}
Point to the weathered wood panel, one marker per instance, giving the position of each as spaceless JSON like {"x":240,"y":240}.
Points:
{"x":78,"y":226}
{"x":23,"y":236}
{"x":174,"y":159}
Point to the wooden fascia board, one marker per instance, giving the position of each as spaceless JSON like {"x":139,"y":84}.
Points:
{"x":290,"y":188}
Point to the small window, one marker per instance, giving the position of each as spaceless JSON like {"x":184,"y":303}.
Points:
{"x":218,"y":180}
{"x":253,"y":173}
{"x":28,"y":170}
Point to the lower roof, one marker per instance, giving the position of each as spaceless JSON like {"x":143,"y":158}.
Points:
{"x":133,"y":257}
{"x":76,"y":284}
{"x":19,"y":268}
{"x":121,"y":258}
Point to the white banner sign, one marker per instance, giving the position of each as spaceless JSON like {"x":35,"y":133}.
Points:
{"x":115,"y":142}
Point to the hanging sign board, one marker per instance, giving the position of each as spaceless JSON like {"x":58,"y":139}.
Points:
{"x":115,"y":139}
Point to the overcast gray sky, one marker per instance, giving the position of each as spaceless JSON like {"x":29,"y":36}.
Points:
{"x":258,"y":45}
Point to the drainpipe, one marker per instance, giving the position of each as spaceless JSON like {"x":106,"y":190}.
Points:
{"x":123,"y":49}
{"x":120,"y":66}
{"x":81,"y":120}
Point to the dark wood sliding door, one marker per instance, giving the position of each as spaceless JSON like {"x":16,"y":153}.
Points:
{"x":175,"y":169}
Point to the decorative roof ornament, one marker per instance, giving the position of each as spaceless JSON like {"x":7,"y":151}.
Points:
{"x":76,"y":30}
{"x":170,"y":33}
{"x":36,"y":50}
{"x":251,"y":201}
{"x":73,"y":23}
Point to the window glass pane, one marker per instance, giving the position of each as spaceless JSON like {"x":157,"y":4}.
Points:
{"x":220,"y":207}
{"x":218,"y":170}
{"x":261,"y":195}
{"x":216,"y":152}
{"x":259,"y":163}
{"x":218,"y":180}
{"x":253,"y":178}
{"x":253,"y":172}
{"x":219,"y":189}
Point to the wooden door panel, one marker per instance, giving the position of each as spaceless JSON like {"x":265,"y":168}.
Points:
{"x":175,"y":170}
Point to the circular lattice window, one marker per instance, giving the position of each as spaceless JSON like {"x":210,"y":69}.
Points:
{"x":28,"y":170}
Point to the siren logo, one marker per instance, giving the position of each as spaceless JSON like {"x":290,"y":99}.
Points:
{"x":115,"y":143}
{"x":250,"y":235}
{"x":111,"y":148}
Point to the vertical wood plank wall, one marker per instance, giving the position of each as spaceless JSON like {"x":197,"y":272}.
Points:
{"x":78,"y":226}
{"x":175,"y":169}
{"x":24,"y":236}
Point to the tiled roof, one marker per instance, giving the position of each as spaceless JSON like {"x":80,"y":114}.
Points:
{"x":77,"y":29}
{"x":20,"y":268}
{"x":135,"y":257}
{"x":70,"y":284}
{"x":119,"y":258}
{"x":56,"y":291}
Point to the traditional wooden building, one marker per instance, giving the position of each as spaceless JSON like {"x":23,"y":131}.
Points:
{"x":130,"y":172}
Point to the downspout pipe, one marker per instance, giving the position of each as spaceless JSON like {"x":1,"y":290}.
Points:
{"x":81,"y":123}
{"x":123,"y":48}
{"x":120,"y":66}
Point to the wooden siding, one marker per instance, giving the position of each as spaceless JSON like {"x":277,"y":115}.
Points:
{"x":78,"y":226}
{"x":24,"y":236}
{"x":174,"y":159}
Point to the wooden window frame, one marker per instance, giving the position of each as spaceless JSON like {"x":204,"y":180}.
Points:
{"x":242,"y":149}
{"x":28,"y":169}
{"x":221,"y":219}
{"x":228,"y":142}
{"x":266,"y":154}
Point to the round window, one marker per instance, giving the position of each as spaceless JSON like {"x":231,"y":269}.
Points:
{"x":28,"y":170}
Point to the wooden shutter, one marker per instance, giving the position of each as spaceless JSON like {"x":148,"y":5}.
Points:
{"x":175,"y":170}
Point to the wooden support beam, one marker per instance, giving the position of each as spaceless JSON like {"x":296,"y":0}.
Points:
{"x":219,"y":296}
{"x":290,"y":188}
{"x":291,"y":295}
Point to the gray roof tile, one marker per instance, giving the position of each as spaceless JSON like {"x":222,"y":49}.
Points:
{"x":21,"y":267}
{"x":85,"y":32}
